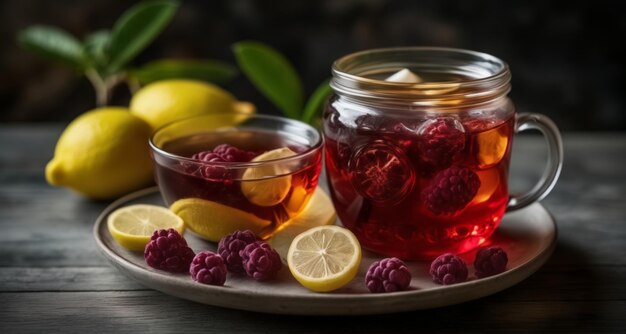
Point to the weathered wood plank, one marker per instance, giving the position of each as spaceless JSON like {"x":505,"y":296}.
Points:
{"x":548,"y":284}
{"x":52,"y":228}
{"x":143,"y":311}
{"x":27,"y":147}
{"x":65,"y":279}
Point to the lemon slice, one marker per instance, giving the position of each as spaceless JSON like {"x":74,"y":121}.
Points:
{"x":318,"y":211}
{"x":213,"y":221}
{"x":132,"y":226}
{"x":261,"y":185}
{"x":324,"y":258}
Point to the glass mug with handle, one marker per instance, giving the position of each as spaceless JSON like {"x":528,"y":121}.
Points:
{"x":418,"y":144}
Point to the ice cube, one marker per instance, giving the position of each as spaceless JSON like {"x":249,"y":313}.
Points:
{"x":404,"y":75}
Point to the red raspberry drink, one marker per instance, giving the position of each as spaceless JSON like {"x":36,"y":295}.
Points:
{"x":418,"y":144}
{"x":416,"y":188}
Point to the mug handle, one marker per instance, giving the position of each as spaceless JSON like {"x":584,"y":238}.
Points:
{"x":532,"y":121}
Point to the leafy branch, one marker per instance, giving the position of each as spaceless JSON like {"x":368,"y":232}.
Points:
{"x":274,"y":76}
{"x":103,"y":56}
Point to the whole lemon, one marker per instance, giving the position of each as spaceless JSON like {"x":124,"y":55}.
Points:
{"x":102,"y":154}
{"x":164,"y":101}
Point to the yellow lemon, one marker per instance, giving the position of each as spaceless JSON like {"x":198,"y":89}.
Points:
{"x":212,"y":220}
{"x":164,"y":101}
{"x":132,"y":226}
{"x":102,"y":154}
{"x":317,"y":212}
{"x":262,"y":185}
{"x":324,"y":258}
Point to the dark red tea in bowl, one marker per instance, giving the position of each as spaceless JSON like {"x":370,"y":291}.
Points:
{"x":420,"y":168}
{"x":228,"y":172}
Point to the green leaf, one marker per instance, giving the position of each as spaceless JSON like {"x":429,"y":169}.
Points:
{"x":208,"y":70}
{"x":54,"y":44}
{"x":272,"y":74}
{"x":316,"y":101}
{"x":136,"y":29}
{"x":96,"y":50}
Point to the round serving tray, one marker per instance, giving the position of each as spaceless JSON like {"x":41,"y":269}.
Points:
{"x":528,"y":236}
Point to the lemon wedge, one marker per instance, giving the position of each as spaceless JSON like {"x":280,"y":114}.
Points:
{"x":324,"y":258}
{"x":212,"y":220}
{"x":318,"y":211}
{"x":261,"y":185}
{"x":132,"y":226}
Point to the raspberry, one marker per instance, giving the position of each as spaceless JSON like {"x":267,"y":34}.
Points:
{"x":221,"y":153}
{"x":233,"y":154}
{"x":450,"y":190}
{"x":448,"y":269}
{"x":208,"y":268}
{"x":490,"y":261}
{"x":441,"y":139}
{"x":387,"y":275}
{"x":230,"y":246}
{"x":168,"y":250}
{"x":260,"y":261}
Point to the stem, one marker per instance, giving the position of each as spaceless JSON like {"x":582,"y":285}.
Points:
{"x":102,"y":91}
{"x":104,"y":87}
{"x":111,"y":82}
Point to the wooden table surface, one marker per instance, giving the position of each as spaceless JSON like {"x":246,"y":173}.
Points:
{"x":52,"y":277}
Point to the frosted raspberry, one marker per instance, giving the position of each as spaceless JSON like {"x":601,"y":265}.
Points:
{"x":450,"y":190}
{"x":260,"y":261}
{"x":441,"y":139}
{"x":388,"y":275}
{"x":208,"y":268}
{"x":490,"y":261}
{"x":230,"y":246}
{"x":168,"y":250}
{"x":448,"y":269}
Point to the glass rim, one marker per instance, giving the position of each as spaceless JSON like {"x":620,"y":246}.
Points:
{"x":236,"y":165}
{"x":349,"y":75}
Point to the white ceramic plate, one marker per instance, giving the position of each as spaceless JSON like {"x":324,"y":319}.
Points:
{"x":527,"y":235}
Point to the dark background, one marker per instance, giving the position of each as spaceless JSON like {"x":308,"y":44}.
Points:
{"x":567,"y":58}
